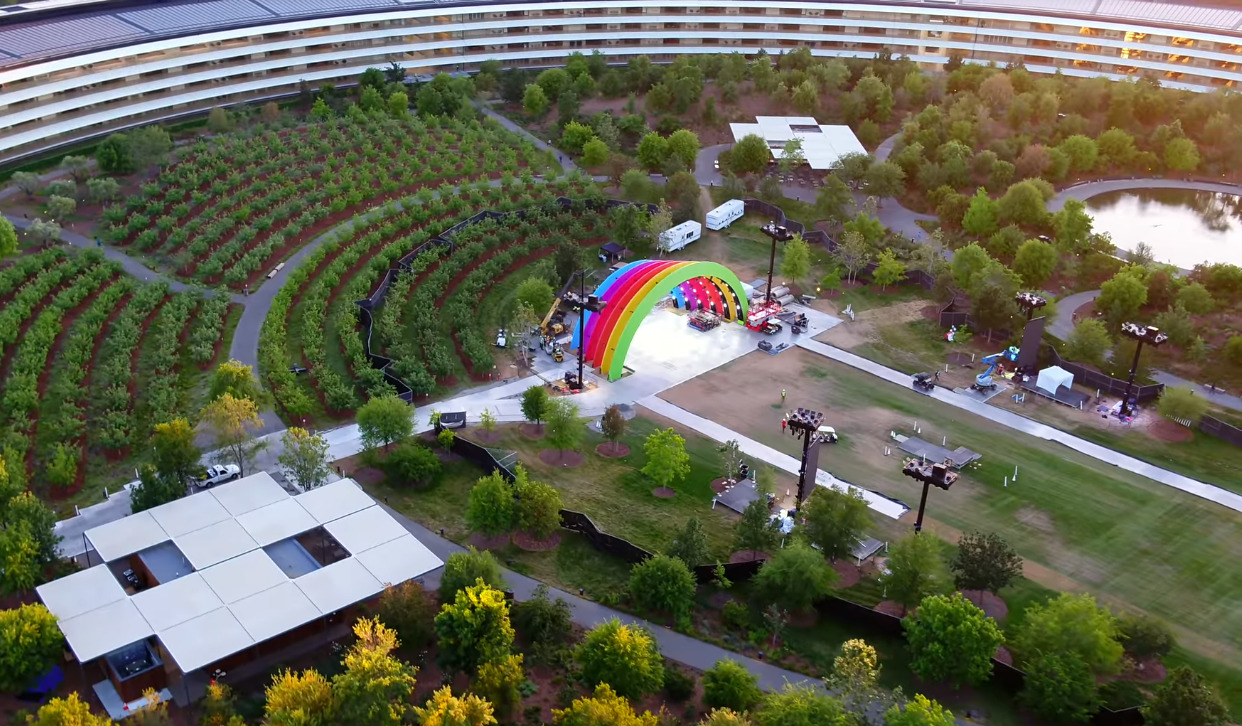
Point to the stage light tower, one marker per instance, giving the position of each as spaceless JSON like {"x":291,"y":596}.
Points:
{"x":1029,"y":302}
{"x":1148,"y":334}
{"x":940,"y":476}
{"x":804,"y":423}
{"x":580,"y":304}
{"x":778,"y":233}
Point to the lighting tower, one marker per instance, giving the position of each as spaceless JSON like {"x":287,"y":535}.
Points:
{"x":580,"y":303}
{"x":1143,"y":334}
{"x":804,"y":423}
{"x":1029,"y":302}
{"x":940,"y":476}
{"x":778,"y":234}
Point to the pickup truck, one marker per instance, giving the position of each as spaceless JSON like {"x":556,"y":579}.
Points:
{"x":216,"y":474}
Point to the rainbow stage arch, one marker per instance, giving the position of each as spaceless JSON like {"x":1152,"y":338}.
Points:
{"x":631,"y":291}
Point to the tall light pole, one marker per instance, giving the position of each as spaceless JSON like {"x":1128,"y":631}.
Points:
{"x":932,"y":475}
{"x":1148,"y":334}
{"x":778,"y":234}
{"x":583,"y":304}
{"x":804,"y":423}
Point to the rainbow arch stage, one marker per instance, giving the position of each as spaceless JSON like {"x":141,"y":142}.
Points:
{"x":631,"y":291}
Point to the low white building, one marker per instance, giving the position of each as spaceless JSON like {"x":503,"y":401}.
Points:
{"x":822,"y":145}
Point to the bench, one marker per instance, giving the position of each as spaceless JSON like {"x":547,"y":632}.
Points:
{"x":275,"y":270}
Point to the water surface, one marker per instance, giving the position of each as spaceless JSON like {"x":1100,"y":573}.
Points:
{"x":1183,"y":227}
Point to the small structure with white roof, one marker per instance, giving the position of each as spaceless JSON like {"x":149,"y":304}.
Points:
{"x":223,"y":577}
{"x":822,"y":145}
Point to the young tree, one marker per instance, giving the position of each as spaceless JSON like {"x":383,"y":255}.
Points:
{"x":463,"y":569}
{"x":984,"y":562}
{"x":30,"y":644}
{"x":1035,"y":261}
{"x":59,"y":208}
{"x":612,"y":425}
{"x":1180,"y":403}
{"x":410,"y":611}
{"x":663,"y":584}
{"x":916,"y":569}
{"x":235,"y":378}
{"x":43,"y":231}
{"x":889,"y":269}
{"x":1185,"y":699}
{"x":755,"y":531}
{"x":8,"y":238}
{"x":728,"y":684}
{"x":1059,"y":687}
{"x":683,"y":145}
{"x":603,"y":708}
{"x":148,"y":145}
{"x":795,"y":259}
{"x":535,"y":293}
{"x":920,"y":711}
{"x":375,"y":687}
{"x":625,"y":657}
{"x":537,"y":506}
{"x":854,"y":253}
{"x":952,"y":640}
{"x":750,"y":155}
{"x":1181,"y":154}
{"x":28,"y":182}
{"x":667,"y":460}
{"x":885,"y":179}
{"x":795,"y":577}
{"x":412,"y":463}
{"x":855,"y":679}
{"x":175,"y":453}
{"x":61,"y":470}
{"x":490,"y":508}
{"x":652,"y":151}
{"x":232,"y":422}
{"x":383,"y":421}
{"x":1073,"y":625}
{"x":154,"y":489}
{"x":474,"y":629}
{"x":534,"y":101}
{"x":801,"y":705}
{"x":302,"y":698}
{"x":690,"y":544}
{"x":544,"y":624}
{"x":835,"y":520}
{"x":219,"y":120}
{"x":535,"y":404}
{"x":305,"y":458}
{"x":500,"y":682}
{"x":565,"y":431}
{"x":1145,"y":637}
{"x":220,"y":707}
{"x":1089,"y":342}
{"x":980,"y":219}
{"x":445,"y":709}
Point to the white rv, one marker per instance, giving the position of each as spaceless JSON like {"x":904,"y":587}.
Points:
{"x":726,"y":214}
{"x":677,"y":237}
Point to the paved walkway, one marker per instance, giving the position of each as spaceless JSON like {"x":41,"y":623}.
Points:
{"x":1216,"y":396}
{"x":1025,"y":425}
{"x":1063,"y":324}
{"x":1086,"y":190}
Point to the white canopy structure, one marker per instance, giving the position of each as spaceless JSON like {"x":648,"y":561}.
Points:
{"x":822,"y":145}
{"x":1050,"y":379}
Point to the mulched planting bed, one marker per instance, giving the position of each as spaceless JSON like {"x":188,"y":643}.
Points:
{"x":848,"y":573}
{"x":664,"y":492}
{"x":527,"y":541}
{"x":557,"y":457}
{"x":989,"y":603}
{"x":889,"y":607}
{"x":531,"y":431}
{"x":483,"y":542}
{"x":610,"y":450}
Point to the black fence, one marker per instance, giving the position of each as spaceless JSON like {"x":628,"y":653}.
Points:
{"x":1225,"y":432}
{"x":1105,"y":383}
{"x":444,"y":239}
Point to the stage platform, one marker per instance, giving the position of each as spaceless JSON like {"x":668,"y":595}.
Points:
{"x":934,"y":453}
{"x":739,"y":496}
{"x":1065,"y":395}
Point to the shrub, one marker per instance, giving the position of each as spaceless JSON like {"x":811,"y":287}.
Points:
{"x":678,"y":686}
{"x":728,"y":684}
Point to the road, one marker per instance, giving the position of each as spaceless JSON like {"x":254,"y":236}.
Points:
{"x":1063,"y":324}
{"x":1086,"y":190}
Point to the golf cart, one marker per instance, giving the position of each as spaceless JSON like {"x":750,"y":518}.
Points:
{"x":827,"y":434}
{"x":501,"y":339}
{"x":924,"y":382}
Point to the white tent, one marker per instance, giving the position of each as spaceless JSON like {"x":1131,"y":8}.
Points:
{"x":1050,"y":379}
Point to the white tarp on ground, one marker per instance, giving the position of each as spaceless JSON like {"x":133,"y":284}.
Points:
{"x":822,"y":145}
{"x":1050,"y":379}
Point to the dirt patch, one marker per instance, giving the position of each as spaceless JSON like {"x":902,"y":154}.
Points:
{"x":1162,"y":429}
{"x":990,"y":603}
{"x":483,"y":542}
{"x":483,"y":436}
{"x":865,"y":327}
{"x":888,"y":607}
{"x":848,"y":574}
{"x":563,"y":458}
{"x":717,"y":600}
{"x":1036,"y":518}
{"x":527,"y":541}
{"x":613,"y":449}
{"x":1144,"y":670}
{"x":531,"y":431}
{"x":720,"y":484}
{"x":664,"y":492}
{"x":747,"y":556}
{"x":1004,"y":656}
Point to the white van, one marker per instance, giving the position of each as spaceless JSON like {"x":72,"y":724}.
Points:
{"x":726,"y":214}
{"x":677,"y":237}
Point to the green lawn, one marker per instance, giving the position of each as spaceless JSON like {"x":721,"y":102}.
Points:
{"x":910,"y":347}
{"x":1129,"y":540}
{"x":1204,"y":457}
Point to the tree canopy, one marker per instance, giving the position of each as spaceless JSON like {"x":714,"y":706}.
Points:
{"x":796,"y":576}
{"x":952,"y":640}
{"x":624,"y":657}
{"x":667,"y":460}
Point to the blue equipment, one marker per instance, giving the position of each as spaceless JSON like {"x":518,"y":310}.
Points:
{"x":983,"y":381}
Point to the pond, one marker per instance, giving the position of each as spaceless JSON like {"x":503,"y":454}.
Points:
{"x":1182,"y":227}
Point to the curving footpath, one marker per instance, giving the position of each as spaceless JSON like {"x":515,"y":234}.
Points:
{"x":1086,"y":190}
{"x":1063,"y":324}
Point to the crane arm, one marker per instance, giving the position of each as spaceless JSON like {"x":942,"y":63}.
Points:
{"x":543,"y":327}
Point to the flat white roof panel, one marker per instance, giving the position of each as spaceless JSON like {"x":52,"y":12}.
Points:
{"x":274,"y":611}
{"x":243,"y":576}
{"x":217,"y":543}
{"x":365,"y":529}
{"x":206,"y":639}
{"x":277,"y":521}
{"x":335,"y":500}
{"x":187,"y":514}
{"x":248,"y":493}
{"x":81,"y":592}
{"x":105,"y":629}
{"x":338,"y":585}
{"x":392,"y":563}
{"x":115,"y":540}
{"x":175,"y":602}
